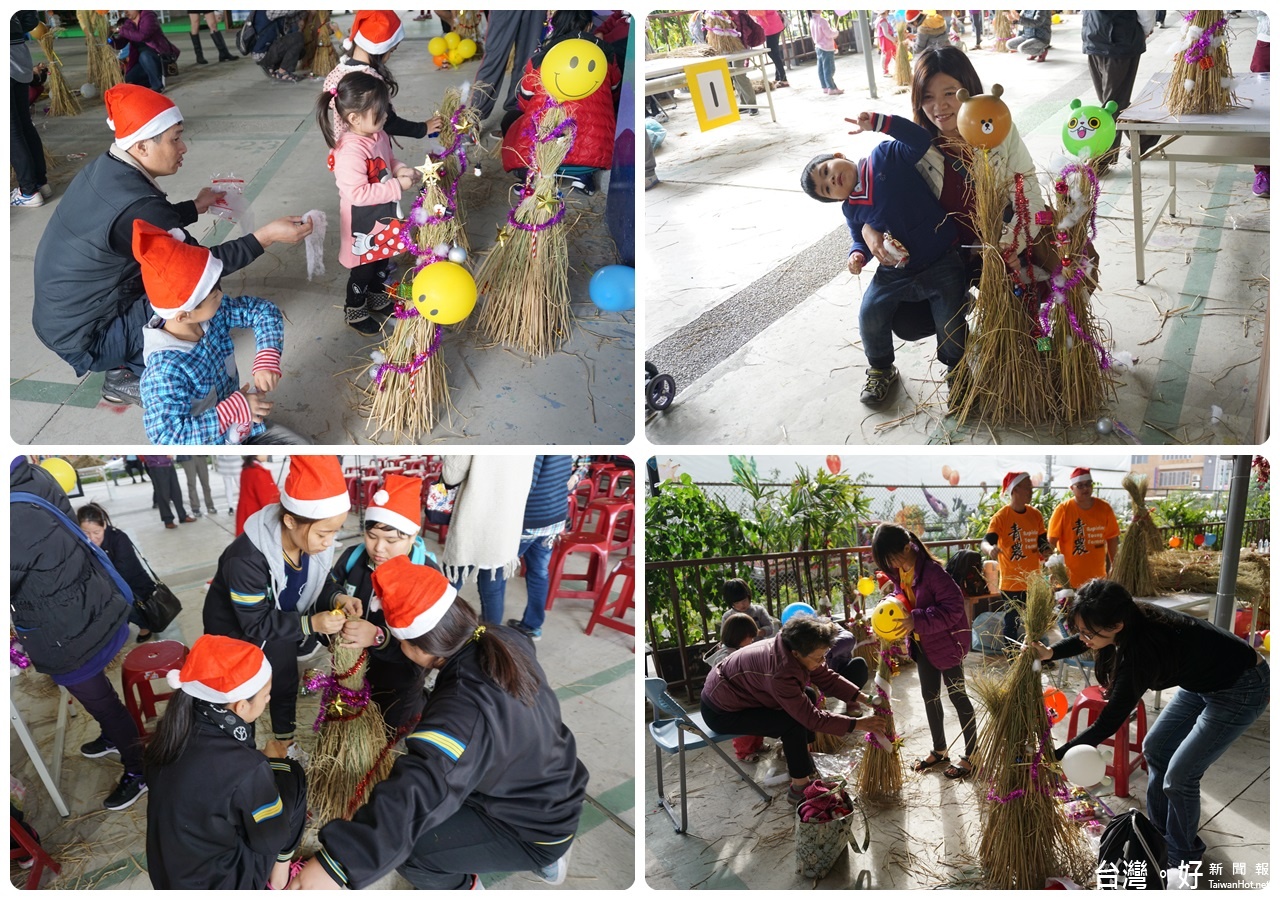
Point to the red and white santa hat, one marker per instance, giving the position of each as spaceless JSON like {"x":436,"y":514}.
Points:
{"x":1079,"y":474}
{"x":398,"y":503}
{"x":177,"y":276}
{"x":1012,"y":480}
{"x":221,"y":669}
{"x":376,"y":30}
{"x":314,"y":487}
{"x":136,"y":113}
{"x":414,"y":598}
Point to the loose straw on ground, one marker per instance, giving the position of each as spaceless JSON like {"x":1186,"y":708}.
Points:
{"x":525,"y":277}
{"x":1201,"y":79}
{"x":1025,"y":837}
{"x":62,"y":102}
{"x":1132,"y":567}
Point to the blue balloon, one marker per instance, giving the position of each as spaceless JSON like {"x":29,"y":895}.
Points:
{"x":797,"y":609}
{"x":613,"y":288}
{"x":1210,"y":539}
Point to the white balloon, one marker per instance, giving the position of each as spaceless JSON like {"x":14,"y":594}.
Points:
{"x":88,"y":90}
{"x":1084,"y":765}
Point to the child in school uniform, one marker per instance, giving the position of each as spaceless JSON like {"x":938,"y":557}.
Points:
{"x":222,"y":814}
{"x":273,"y":587}
{"x":370,"y":181}
{"x":190,"y":390}
{"x":392,"y":523}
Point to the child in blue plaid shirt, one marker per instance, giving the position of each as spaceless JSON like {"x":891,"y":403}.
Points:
{"x":189,"y":388}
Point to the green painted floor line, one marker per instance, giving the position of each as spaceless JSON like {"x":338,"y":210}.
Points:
{"x":112,"y":874}
{"x":85,"y":395}
{"x":1169,"y":393}
{"x":619,"y":799}
{"x":265,"y":175}
{"x":599,"y":679}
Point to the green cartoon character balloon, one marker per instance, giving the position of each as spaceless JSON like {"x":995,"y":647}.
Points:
{"x":1091,"y":130}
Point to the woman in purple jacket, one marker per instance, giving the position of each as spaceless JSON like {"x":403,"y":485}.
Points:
{"x":761,"y":689}
{"x":939,"y":640}
{"x":148,"y":48}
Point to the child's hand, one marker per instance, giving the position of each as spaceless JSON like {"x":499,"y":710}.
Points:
{"x":259,"y":406}
{"x":408,"y":178}
{"x":862,"y":123}
{"x":856,"y":262}
{"x":874,"y":239}
{"x":265,"y":380}
{"x":313,"y":877}
{"x":434,"y":124}
{"x":359,"y":633}
{"x":280,"y":875}
{"x":206,"y":198}
{"x":328,"y":622}
{"x":350,"y":605}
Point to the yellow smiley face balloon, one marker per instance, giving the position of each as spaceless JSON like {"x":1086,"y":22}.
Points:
{"x":573,"y":69}
{"x":444,"y":292}
{"x":890,"y":620}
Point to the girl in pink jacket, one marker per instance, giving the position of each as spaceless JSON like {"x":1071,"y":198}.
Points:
{"x":370,"y":181}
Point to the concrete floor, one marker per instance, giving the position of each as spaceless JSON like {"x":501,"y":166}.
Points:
{"x":594,"y":679}
{"x":930,"y":839}
{"x":753,"y":313}
{"x":238,"y":121}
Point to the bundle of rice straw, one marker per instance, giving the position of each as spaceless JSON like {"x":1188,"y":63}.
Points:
{"x":722,"y":33}
{"x":525,"y":277}
{"x":461,"y":123}
{"x":1002,"y":378}
{"x":1025,"y":838}
{"x":326,"y":57}
{"x":1132,"y":567}
{"x":1201,"y":80}
{"x":1002,"y":28}
{"x":902,"y":58}
{"x":1197,"y":571}
{"x":880,"y":776}
{"x":104,"y":68}
{"x":352,"y":752}
{"x":62,"y":102}
{"x":1077,"y":359}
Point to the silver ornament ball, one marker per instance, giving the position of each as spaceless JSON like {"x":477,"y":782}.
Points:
{"x":457,"y":255}
{"x":1105,"y":425}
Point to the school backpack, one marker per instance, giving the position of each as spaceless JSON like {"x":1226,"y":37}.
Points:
{"x":965,"y":568}
{"x":1131,"y":855}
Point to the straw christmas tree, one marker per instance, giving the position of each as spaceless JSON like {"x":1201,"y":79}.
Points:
{"x":1201,"y":80}
{"x":880,"y":776}
{"x":902,"y":58}
{"x":1132,"y":567}
{"x":525,"y":277}
{"x":325,"y":57}
{"x":352,"y":752}
{"x":61,"y":101}
{"x":460,"y":122}
{"x":1002,"y":28}
{"x":722,"y":34}
{"x":104,"y":68}
{"x":1025,"y":838}
{"x":408,"y":388}
{"x":1078,"y":362}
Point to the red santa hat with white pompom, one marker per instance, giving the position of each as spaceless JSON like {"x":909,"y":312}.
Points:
{"x":398,"y":503}
{"x":376,"y":31}
{"x":221,"y":669}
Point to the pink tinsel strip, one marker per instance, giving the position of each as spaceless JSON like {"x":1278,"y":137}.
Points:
{"x":331,"y":690}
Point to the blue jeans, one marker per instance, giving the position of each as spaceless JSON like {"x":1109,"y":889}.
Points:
{"x":149,"y":72}
{"x":827,"y":69}
{"x":942,"y":286}
{"x":492,"y":586}
{"x":1188,"y":737}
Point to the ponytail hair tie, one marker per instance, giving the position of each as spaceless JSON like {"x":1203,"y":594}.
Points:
{"x":333,"y":92}
{"x":475,"y":635}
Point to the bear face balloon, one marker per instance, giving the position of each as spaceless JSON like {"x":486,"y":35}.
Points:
{"x":1091,"y":130}
{"x":890,"y":620}
{"x":983,"y":121}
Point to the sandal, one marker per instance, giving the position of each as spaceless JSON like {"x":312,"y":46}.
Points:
{"x":955,"y":772}
{"x":933,"y":759}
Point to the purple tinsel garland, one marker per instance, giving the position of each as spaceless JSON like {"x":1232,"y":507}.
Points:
{"x":569,"y":128}
{"x":332,"y":690}
{"x":417,"y":217}
{"x":1035,"y":772}
{"x":419,"y":360}
{"x":1060,"y":288}
{"x":1200,"y":49}
{"x":18,"y":658}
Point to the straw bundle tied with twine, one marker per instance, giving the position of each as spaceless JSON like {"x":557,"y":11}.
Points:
{"x":104,"y":68}
{"x":407,"y":402}
{"x":325,"y":57}
{"x":1025,"y":837}
{"x":1201,"y":80}
{"x":1132,"y":567}
{"x":902,"y":58}
{"x":62,"y":102}
{"x":525,"y":277}
{"x":880,"y":776}
{"x":352,"y":752}
{"x":1002,"y":28}
{"x":721,"y":33}
{"x":1002,"y":378}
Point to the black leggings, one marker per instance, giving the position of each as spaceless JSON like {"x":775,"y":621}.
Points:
{"x":767,"y":723}
{"x":283,"y":706}
{"x":930,"y":687}
{"x":775,"y":53}
{"x":25,"y":150}
{"x":469,"y":842}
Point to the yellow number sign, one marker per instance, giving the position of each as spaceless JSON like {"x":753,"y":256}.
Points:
{"x":711,"y":88}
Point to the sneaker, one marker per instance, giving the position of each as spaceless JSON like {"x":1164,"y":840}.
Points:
{"x":122,"y":386}
{"x":651,"y":181}
{"x":197,"y":514}
{"x":1262,"y":183}
{"x":534,"y":634}
{"x":127,"y":792}
{"x":879,"y":383}
{"x":45,"y":191}
{"x":557,"y":871}
{"x":795,"y":797}
{"x":98,"y":748}
{"x":17,"y":198}
{"x":213,"y":512}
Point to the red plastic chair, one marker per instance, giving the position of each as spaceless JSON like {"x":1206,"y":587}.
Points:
{"x":610,"y":481}
{"x":145,"y":664}
{"x":592,"y":539}
{"x":611,"y":611}
{"x":622,"y":521}
{"x":29,"y":846}
{"x":1127,"y":755}
{"x":581,"y":498}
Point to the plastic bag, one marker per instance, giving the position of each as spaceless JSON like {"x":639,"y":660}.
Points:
{"x":232,"y":205}
{"x":314,"y":243}
{"x":657,"y":134}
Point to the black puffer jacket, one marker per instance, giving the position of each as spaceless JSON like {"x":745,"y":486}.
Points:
{"x":1114,"y":33}
{"x":65,"y":606}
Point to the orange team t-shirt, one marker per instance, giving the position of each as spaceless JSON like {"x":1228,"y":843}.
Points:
{"x":1082,"y":536}
{"x":1018,"y":536}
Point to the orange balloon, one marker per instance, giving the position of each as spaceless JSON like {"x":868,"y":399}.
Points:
{"x":1175,"y":542}
{"x":955,"y":478}
{"x":946,"y":473}
{"x":984,"y":121}
{"x":1055,"y":704}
